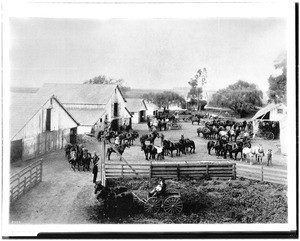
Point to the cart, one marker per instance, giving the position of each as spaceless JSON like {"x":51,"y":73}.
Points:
{"x":170,"y":202}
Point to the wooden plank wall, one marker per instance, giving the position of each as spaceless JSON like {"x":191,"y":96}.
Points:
{"x":26,"y":179}
{"x":262,"y":173}
{"x":171,"y":170}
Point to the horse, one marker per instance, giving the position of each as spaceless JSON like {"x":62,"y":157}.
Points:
{"x":151,"y":137}
{"x":189,"y":144}
{"x":195,"y":119}
{"x":68,"y":148}
{"x":169,"y":147}
{"x":259,"y":153}
{"x":247,"y":154}
{"x":86,"y":160}
{"x":120,"y":148}
{"x":73,"y":159}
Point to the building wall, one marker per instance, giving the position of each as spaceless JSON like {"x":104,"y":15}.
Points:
{"x":135,"y":117}
{"x":83,"y":129}
{"x":36,"y":140}
{"x":278,"y":113}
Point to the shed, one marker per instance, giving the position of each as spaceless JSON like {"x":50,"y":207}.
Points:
{"x":38,"y":124}
{"x":151,"y":109}
{"x":137,"y":108}
{"x":273,"y":112}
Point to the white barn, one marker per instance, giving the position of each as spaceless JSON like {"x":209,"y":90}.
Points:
{"x":151,"y":109}
{"x":38,"y":124}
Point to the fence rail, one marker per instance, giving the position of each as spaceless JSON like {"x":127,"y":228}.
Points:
{"x":25,"y":179}
{"x":262,"y":173}
{"x":171,"y":170}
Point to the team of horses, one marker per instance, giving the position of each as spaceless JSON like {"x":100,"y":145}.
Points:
{"x":78,"y":157}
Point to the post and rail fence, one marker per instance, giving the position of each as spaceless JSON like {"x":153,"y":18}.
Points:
{"x":25,"y":179}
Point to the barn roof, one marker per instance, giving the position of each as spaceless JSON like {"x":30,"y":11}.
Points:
{"x":265,"y":110}
{"x":23,"y":106}
{"x":79,"y":93}
{"x":86,"y":117}
{"x":151,"y":105}
{"x":136,"y":105}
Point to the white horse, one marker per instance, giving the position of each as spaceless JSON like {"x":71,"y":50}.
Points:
{"x":247,"y":154}
{"x":259,"y":153}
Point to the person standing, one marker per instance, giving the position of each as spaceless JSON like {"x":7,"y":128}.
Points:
{"x":95,"y":168}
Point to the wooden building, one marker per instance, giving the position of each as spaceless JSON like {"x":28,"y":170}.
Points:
{"x":38,"y":124}
{"x":137,"y":108}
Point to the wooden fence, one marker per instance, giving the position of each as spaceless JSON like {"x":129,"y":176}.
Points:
{"x":262,"y":173}
{"x":24,"y":180}
{"x":171,"y":170}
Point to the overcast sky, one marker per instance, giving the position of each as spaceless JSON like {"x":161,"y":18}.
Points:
{"x":146,"y":53}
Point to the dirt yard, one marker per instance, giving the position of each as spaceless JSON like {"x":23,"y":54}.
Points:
{"x":65,"y":196}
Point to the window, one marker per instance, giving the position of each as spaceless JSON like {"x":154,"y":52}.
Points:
{"x":279,"y":111}
{"x":115,"y":109}
{"x":48,"y":120}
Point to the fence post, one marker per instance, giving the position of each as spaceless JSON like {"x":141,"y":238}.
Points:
{"x":18,"y":185}
{"x":262,"y":173}
{"x":150,"y":170}
{"x":41,"y":167}
{"x":122,"y":173}
{"x":178,"y":172}
{"x":234,"y":171}
{"x":207,"y":169}
{"x":24,"y":190}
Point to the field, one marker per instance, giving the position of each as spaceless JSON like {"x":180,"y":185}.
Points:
{"x":65,"y":196}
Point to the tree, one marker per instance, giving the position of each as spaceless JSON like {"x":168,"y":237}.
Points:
{"x":277,"y":84}
{"x":164,"y":99}
{"x":102,"y":79}
{"x":196,"y":92}
{"x":242,"y":97}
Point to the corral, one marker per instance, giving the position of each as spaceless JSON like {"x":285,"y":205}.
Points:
{"x":65,"y":196}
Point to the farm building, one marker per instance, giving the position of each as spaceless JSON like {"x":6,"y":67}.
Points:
{"x":137,"y":108}
{"x":91,"y":105}
{"x":273,"y":112}
{"x":151,"y":109}
{"x":38,"y":124}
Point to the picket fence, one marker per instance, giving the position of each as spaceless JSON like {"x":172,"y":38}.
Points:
{"x":25,"y":179}
{"x":171,"y":170}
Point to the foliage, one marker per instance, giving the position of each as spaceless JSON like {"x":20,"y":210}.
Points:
{"x":242,"y":97}
{"x":195,"y":92}
{"x":277,"y":84}
{"x":164,"y":99}
{"x":102,"y":79}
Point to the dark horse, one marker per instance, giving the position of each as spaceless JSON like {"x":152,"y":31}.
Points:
{"x":151,"y":137}
{"x":120,"y":149}
{"x":116,"y":200}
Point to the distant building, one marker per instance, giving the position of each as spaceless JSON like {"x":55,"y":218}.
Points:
{"x":137,"y":109}
{"x":151,"y":109}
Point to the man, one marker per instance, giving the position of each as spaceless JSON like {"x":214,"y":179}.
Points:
{"x":95,"y":168}
{"x":160,"y":189}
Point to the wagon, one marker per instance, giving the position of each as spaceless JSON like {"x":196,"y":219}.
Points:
{"x":170,"y":202}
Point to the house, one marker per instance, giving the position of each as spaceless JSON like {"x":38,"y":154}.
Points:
{"x":38,"y":124}
{"x":137,"y":108}
{"x":151,"y":109}
{"x":91,"y":105}
{"x":273,"y":112}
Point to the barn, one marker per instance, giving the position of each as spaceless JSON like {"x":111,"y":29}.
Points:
{"x":273,"y":112}
{"x":137,"y":108}
{"x":91,"y":105}
{"x":38,"y":124}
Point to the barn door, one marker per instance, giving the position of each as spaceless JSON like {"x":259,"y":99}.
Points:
{"x":16,"y":150}
{"x":115,"y":125}
{"x":73,"y":134}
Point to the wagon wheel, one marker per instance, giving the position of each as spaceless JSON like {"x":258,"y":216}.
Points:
{"x":269,"y":136}
{"x":173,"y":205}
{"x":152,"y":205}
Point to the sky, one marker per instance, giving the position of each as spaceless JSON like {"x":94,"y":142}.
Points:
{"x":146,"y":53}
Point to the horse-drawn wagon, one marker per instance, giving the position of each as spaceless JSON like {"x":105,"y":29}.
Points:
{"x":170,"y":202}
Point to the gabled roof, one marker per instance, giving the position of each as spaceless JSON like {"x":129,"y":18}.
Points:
{"x":23,"y":106}
{"x":265,"y":110}
{"x":151,"y":105}
{"x":79,"y":93}
{"x":87,"y":117}
{"x":136,"y":105}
